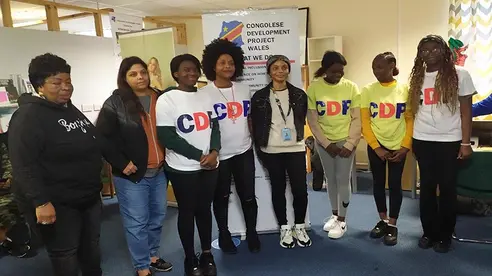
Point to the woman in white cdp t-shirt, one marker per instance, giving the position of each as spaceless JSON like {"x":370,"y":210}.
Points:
{"x":441,"y":99}
{"x":223,"y":62}
{"x":188,"y":129}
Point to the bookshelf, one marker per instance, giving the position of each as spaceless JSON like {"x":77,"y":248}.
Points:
{"x":317,"y":46}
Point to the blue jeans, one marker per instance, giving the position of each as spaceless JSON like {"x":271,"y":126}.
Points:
{"x":143,"y":209}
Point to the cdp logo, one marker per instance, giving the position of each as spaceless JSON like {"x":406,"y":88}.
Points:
{"x":232,"y":110}
{"x":333,"y":108}
{"x":387,"y":110}
{"x":430,"y":96}
{"x":198,"y":121}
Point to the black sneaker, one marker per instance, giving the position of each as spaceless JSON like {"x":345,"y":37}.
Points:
{"x":254,"y":244}
{"x":379,"y":230}
{"x":391,"y":236}
{"x":442,"y":246}
{"x":426,"y":242}
{"x":192,"y":267}
{"x":19,"y":251}
{"x":226,"y":243}
{"x":207,"y":264}
{"x":161,"y":265}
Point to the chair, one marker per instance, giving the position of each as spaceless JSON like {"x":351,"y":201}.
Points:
{"x":107,"y":180}
{"x":475,"y":181}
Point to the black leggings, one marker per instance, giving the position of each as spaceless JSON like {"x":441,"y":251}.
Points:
{"x":294,"y":163}
{"x":194,"y":192}
{"x":72,"y":241}
{"x":438,"y":165}
{"x":395,"y":171}
{"x":242,"y":168}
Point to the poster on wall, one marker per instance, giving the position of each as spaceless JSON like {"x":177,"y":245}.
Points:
{"x":261,"y":34}
{"x":123,"y":23}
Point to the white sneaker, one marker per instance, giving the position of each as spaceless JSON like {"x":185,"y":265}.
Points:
{"x":338,"y":230}
{"x":286,"y":237}
{"x":301,"y":235}
{"x":330,"y":223}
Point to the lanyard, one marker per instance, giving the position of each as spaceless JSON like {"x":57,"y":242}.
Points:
{"x":281,"y":109}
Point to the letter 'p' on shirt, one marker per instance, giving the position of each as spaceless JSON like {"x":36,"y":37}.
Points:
{"x":232,"y":107}
{"x":387,"y":106}
{"x":435,"y":121}
{"x":333,"y":103}
{"x":191,"y":114}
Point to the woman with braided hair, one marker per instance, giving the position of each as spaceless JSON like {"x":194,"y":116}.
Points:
{"x":441,"y":100}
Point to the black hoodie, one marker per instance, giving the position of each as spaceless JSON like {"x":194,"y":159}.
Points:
{"x":55,"y":154}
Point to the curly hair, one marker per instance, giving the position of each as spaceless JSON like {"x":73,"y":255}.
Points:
{"x":45,"y":66}
{"x":214,"y":50}
{"x":446,"y":86}
{"x":177,"y":60}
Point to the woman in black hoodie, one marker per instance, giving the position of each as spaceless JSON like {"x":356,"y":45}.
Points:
{"x":56,"y":161}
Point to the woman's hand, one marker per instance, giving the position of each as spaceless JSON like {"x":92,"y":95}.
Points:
{"x":345,"y":152}
{"x":382,"y":153}
{"x":46,"y":214}
{"x":398,"y":155}
{"x":465,"y":152}
{"x":210,"y":160}
{"x":333,"y":150}
{"x":130,"y":169}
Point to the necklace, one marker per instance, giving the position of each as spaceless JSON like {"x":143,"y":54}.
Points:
{"x":231,"y":109}
{"x":278,"y":90}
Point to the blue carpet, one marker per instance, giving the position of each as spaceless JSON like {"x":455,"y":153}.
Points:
{"x":355,"y":254}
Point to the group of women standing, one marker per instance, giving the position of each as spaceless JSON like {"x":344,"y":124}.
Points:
{"x":203,"y":140}
{"x":432,"y":115}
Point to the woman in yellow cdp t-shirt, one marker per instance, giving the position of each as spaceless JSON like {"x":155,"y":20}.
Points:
{"x":334,"y":118}
{"x":387,"y":126}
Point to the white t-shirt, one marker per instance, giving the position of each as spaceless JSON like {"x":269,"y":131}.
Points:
{"x":190,"y":113}
{"x":276,"y":143}
{"x":232,"y":107}
{"x":436,"y":122}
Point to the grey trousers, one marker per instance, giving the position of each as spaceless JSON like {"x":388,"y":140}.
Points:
{"x":338,"y":172}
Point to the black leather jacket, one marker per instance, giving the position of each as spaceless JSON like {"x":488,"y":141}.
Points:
{"x":125,"y":132}
{"x":261,"y":113}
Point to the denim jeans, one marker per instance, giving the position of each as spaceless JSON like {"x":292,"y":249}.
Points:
{"x":143,"y":209}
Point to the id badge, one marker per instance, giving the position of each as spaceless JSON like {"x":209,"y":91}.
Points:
{"x":286,"y":134}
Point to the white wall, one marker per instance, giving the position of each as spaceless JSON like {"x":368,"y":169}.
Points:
{"x":94,"y":67}
{"x":367,"y":28}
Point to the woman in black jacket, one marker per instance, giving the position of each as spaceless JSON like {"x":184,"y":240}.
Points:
{"x":278,"y":114}
{"x":56,"y":161}
{"x":128,"y":121}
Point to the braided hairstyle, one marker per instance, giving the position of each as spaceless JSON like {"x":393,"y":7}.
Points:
{"x":390,"y":58}
{"x":446,"y":86}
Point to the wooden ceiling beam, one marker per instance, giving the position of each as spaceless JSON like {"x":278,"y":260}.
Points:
{"x":61,"y":18}
{"x":176,"y":17}
{"x":63,"y":6}
{"x":160,"y":23}
{"x":6,"y":13}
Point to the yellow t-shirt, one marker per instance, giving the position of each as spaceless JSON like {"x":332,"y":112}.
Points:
{"x":333,"y":103}
{"x":386,"y":106}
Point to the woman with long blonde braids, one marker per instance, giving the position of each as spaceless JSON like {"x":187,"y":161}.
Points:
{"x":441,"y":100}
